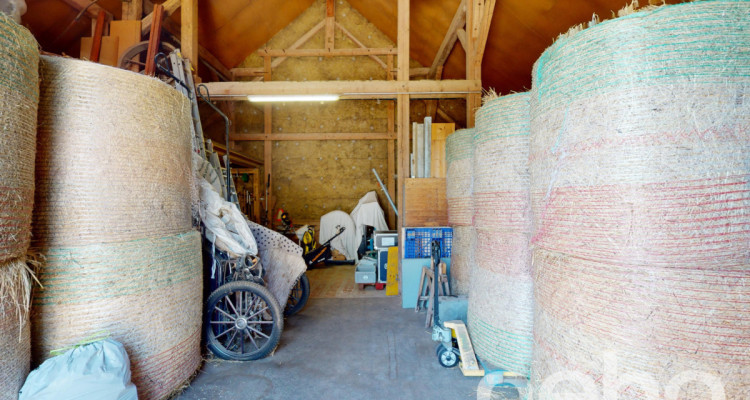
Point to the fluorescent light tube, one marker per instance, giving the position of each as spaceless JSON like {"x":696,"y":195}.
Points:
{"x":294,"y":97}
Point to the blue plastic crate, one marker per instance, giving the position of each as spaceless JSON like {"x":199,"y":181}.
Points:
{"x":418,"y":242}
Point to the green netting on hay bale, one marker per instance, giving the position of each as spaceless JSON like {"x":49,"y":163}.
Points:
{"x":501,"y":294}
{"x":641,"y":203}
{"x":113,"y":221}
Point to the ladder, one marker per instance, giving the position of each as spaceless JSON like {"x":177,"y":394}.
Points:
{"x":182,"y":70}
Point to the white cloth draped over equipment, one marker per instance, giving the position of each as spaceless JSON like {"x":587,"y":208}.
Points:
{"x":347,"y":242}
{"x":368,"y":212}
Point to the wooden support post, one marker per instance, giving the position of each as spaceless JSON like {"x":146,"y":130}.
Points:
{"x":473,"y":101}
{"x":391,"y":179}
{"x":153,"y":40}
{"x":170,"y":6}
{"x":402,"y":117}
{"x":267,"y":149}
{"x":189,"y":31}
{"x":96,"y":44}
{"x":330,"y":23}
{"x":132,"y":10}
{"x":229,"y":107}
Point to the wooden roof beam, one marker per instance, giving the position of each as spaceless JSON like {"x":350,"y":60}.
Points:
{"x":299,"y":42}
{"x":459,"y":20}
{"x":327,"y":53}
{"x":487,"y":10}
{"x":375,"y":89}
{"x":360,"y":44}
{"x":170,"y":6}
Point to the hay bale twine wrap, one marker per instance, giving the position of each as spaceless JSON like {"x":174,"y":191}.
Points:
{"x":501,"y":293}
{"x":459,"y":180}
{"x":641,"y":202}
{"x":19,"y":98}
{"x":114,"y":222}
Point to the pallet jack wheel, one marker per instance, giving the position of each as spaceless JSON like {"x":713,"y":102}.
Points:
{"x":448,"y":358}
{"x":379,"y":286}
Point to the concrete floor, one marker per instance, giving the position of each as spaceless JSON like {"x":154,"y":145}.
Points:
{"x":354,"y":348}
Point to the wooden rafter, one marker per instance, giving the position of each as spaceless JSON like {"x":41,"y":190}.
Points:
{"x":208,"y":58}
{"x":488,"y":10}
{"x":360,"y":44}
{"x":299,"y":42}
{"x":170,"y":6}
{"x":458,"y":22}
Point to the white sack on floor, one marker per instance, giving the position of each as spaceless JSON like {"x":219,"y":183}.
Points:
{"x":368,"y":212}
{"x":281,"y":258}
{"x":347,"y":242}
{"x":99,"y":370}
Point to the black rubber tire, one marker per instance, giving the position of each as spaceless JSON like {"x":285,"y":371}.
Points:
{"x":266,"y":307}
{"x":448,"y":359}
{"x":298,"y":297}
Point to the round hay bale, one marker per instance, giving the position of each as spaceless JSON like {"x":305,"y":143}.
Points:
{"x":501,"y":293}
{"x":114,"y":228}
{"x":641,"y":202}
{"x":459,"y":176}
{"x":459,"y":179}
{"x":114,"y":158}
{"x":19,"y":97}
{"x":15,"y":290}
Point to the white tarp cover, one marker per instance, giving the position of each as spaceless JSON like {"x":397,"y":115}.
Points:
{"x":368,"y":212}
{"x":347,"y":242}
{"x":99,"y":370}
{"x":225,"y":225}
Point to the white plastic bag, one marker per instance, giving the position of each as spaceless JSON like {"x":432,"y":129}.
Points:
{"x":96,"y":371}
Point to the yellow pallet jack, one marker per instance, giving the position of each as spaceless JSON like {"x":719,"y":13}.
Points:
{"x":443,"y":333}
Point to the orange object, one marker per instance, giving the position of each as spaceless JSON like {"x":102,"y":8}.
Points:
{"x":96,"y":45}
{"x":154,"y":40}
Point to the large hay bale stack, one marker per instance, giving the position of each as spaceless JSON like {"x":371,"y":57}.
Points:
{"x":19,"y":97}
{"x":639,"y":168}
{"x":113,"y":221}
{"x":458,"y":187}
{"x":501,"y":293}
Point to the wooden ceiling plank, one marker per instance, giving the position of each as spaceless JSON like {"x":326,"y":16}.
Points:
{"x":170,"y":6}
{"x":458,"y":22}
{"x":360,"y":44}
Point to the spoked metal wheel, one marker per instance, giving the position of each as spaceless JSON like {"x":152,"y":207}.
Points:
{"x":298,"y":296}
{"x":243,"y":321}
{"x":134,"y":57}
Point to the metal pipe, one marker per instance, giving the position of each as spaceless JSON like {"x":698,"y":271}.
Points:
{"x":387,"y":195}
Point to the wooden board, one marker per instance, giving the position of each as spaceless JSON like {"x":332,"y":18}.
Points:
{"x":128,"y":32}
{"x":108,"y":52}
{"x":469,"y":365}
{"x":439,"y":133}
{"x":391,"y":287}
{"x":425,"y":202}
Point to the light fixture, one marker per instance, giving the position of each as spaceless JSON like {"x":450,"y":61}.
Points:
{"x":293,"y":97}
